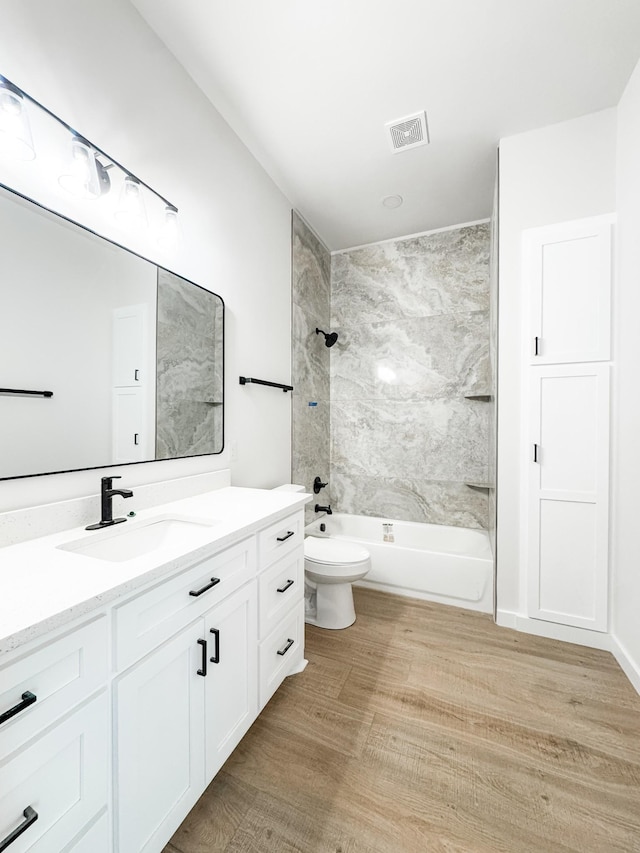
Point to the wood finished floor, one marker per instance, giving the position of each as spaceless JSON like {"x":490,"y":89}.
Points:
{"x":428,"y":729}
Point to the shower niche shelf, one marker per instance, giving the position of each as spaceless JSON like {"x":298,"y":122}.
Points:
{"x":479,"y":487}
{"x":482,"y":398}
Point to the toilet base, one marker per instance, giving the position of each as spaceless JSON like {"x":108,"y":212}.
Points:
{"x":334,"y":606}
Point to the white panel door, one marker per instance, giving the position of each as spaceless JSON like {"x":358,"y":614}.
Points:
{"x":568,"y":269}
{"x":569,"y":495}
{"x":232,"y":679}
{"x":129,"y":345}
{"x":130,"y":436}
{"x":160,"y":749}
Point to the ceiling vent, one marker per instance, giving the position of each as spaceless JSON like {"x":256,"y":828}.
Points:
{"x":408,"y":132}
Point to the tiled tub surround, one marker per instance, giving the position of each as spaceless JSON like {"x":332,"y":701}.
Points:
{"x":413,"y":318}
{"x":311,"y":283}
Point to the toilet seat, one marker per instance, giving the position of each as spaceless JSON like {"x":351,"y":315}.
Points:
{"x":334,"y":552}
{"x":332,"y":558}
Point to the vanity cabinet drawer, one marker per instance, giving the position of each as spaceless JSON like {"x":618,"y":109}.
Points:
{"x":279,"y":588}
{"x":59,"y":676}
{"x":144,"y":623}
{"x":281,"y":652}
{"x":280,"y":538}
{"x":62,"y":777}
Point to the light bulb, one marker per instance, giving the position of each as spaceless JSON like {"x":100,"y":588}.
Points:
{"x":130,"y":210}
{"x":80,"y":176}
{"x":169,"y":236}
{"x":15,"y":133}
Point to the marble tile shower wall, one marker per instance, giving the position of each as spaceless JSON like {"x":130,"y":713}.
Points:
{"x":413,"y":320}
{"x":311,"y":298}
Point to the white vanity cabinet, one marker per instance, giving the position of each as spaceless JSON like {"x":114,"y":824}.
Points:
{"x":137,"y":707}
{"x":54,"y":748}
{"x":179,"y":714}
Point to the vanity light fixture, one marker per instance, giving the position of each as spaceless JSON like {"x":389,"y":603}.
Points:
{"x":84,"y":176}
{"x":15,"y":131}
{"x":130,"y":210}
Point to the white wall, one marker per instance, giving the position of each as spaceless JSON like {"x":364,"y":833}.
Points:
{"x":556,"y":173}
{"x":105,"y":73}
{"x":626,"y":424}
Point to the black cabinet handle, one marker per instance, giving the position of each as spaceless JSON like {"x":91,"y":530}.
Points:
{"x":285,"y":587}
{"x":536,"y":345}
{"x":290,"y":533}
{"x":30,"y":816}
{"x":197,"y":592}
{"x":28,"y":698}
{"x":216,"y":656}
{"x":286,"y":648}
{"x":535,"y":453}
{"x":203,"y":671}
{"x":136,"y":375}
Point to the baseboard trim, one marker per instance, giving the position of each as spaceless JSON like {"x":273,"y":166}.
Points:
{"x":553,"y":631}
{"x":630,"y":668}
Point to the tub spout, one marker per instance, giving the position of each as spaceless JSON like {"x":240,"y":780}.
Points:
{"x":326,"y":509}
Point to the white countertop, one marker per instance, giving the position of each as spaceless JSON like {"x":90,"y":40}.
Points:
{"x":43,"y":587}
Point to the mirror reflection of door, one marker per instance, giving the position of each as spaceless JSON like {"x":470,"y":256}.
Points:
{"x":133,"y":410}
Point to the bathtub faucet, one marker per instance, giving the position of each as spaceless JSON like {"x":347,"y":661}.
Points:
{"x":326,"y":509}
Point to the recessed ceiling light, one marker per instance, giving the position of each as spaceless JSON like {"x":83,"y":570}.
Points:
{"x":392,"y":201}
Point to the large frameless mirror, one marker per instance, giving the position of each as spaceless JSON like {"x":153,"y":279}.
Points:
{"x":105,"y":358}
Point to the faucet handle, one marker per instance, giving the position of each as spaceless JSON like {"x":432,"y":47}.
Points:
{"x":107,"y":482}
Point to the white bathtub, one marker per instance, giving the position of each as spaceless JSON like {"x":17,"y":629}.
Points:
{"x":452,"y":565}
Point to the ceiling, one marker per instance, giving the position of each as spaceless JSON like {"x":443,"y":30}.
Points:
{"x":308,"y":85}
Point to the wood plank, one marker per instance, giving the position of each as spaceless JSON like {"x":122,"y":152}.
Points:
{"x":429,"y":728}
{"x":216,"y":817}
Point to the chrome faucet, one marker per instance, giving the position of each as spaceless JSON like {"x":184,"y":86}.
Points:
{"x":106,"y":497}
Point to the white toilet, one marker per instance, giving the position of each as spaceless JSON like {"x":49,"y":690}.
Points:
{"x":330,"y":567}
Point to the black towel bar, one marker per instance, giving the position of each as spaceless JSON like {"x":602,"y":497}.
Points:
{"x":28,"y":393}
{"x":245,"y":379}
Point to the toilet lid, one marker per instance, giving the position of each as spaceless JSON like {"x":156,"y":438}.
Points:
{"x":333,"y":551}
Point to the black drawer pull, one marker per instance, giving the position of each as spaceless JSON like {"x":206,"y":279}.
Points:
{"x":216,"y":634}
{"x":30,"y":816}
{"x":28,"y":698}
{"x":289,"y":534}
{"x":286,"y":648}
{"x":197,"y":592}
{"x":203,"y":671}
{"x":285,"y":587}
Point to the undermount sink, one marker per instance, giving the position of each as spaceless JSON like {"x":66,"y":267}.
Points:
{"x":122,"y":542}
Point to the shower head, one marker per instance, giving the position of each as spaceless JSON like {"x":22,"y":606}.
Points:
{"x":329,"y":339}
